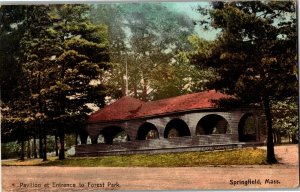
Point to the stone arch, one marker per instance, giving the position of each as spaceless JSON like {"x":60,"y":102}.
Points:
{"x":176,"y":128}
{"x":147,"y":131}
{"x":114,"y":134}
{"x":212,"y":124}
{"x":247,"y":128}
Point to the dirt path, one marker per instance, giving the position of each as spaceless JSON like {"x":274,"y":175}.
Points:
{"x":284,"y":175}
{"x":289,"y":154}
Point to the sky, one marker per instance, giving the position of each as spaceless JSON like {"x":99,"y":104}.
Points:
{"x":189,"y":8}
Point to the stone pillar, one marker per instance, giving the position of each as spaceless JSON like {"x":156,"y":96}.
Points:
{"x":234,"y":125}
{"x":192,"y":124}
{"x":93,"y":130}
{"x":192,"y":120}
{"x":160,"y":129}
{"x":233,"y":122}
{"x":132,"y":127}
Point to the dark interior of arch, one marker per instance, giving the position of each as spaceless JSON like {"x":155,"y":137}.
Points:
{"x":176,"y":128}
{"x":147,"y":131}
{"x":211,"y":124}
{"x":109,"y":134}
{"x":247,"y":128}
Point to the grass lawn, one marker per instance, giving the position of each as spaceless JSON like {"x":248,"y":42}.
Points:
{"x":246,"y":156}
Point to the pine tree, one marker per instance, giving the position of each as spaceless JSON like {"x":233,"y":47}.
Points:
{"x":39,"y":43}
{"x":62,"y":57}
{"x":256,"y":53}
{"x":80,"y":66}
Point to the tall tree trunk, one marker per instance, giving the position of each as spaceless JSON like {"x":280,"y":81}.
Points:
{"x":83,"y":138}
{"x":144,"y":92}
{"x":45,"y":148}
{"x":294,"y":138}
{"x":274,"y":137}
{"x":123,"y":86}
{"x":34,"y":148}
{"x":22,"y":151}
{"x":135,"y":91}
{"x":28,"y":149}
{"x":76,"y":138}
{"x":40,"y":121}
{"x":56,"y":146}
{"x":40,"y":144}
{"x":278,"y":138}
{"x":62,"y":146}
{"x":270,"y":145}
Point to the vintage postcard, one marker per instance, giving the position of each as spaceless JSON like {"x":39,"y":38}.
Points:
{"x":149,"y":95}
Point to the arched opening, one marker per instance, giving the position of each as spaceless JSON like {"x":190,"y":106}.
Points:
{"x":113,"y":134}
{"x":212,"y":124}
{"x":147,"y":131}
{"x":247,"y":128}
{"x":176,"y":128}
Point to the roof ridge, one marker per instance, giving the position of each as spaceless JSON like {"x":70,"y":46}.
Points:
{"x":129,"y":107}
{"x":117,"y":102}
{"x":186,"y":95}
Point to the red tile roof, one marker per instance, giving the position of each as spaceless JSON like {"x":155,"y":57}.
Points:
{"x":129,"y":108}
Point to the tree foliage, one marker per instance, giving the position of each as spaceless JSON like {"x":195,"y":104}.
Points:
{"x":61,"y":59}
{"x":149,"y":39}
{"x":11,"y":31}
{"x":255,"y":54}
{"x":59,"y":55}
{"x":263,"y":30}
{"x":83,"y":58}
{"x":285,"y":119}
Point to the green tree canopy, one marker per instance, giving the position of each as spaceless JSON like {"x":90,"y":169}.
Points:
{"x":62,"y":57}
{"x":12,"y":29}
{"x":255,"y":54}
{"x":149,"y":38}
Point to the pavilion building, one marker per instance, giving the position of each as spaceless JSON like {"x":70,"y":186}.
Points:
{"x":192,"y":122}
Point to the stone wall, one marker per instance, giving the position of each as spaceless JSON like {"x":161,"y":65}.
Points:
{"x":190,"y":118}
{"x":197,"y":143}
{"x":131,"y":127}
